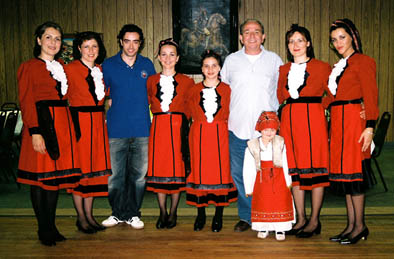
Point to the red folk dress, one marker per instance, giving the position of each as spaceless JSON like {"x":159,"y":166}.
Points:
{"x":168,"y":133}
{"x":210,"y":179}
{"x":35,"y":84}
{"x":272,"y":203}
{"x":304,"y":125}
{"x":348,"y":165}
{"x":92,"y":137}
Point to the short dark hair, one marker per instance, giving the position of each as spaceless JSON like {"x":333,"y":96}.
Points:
{"x":40,"y":31}
{"x":131,"y":28}
{"x":248,"y":21}
{"x":304,"y":31}
{"x":350,"y":29}
{"x":89,"y":35}
{"x":210,"y":54}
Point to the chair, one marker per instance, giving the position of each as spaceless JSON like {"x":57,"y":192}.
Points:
{"x":9,"y":115}
{"x":380,"y":135}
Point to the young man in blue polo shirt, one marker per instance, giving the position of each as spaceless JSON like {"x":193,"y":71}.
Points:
{"x":128,"y":122}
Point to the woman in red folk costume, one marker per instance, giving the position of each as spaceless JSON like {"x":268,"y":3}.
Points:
{"x":47,"y":159}
{"x":86,"y":98}
{"x":210,"y":179}
{"x":302,"y":83}
{"x":353,"y":83}
{"x":266,"y":178}
{"x":168,"y":152}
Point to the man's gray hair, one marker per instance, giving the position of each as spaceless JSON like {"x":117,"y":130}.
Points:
{"x":248,"y":21}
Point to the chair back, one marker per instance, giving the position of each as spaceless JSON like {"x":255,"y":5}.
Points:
{"x":8,"y":117}
{"x":380,"y":134}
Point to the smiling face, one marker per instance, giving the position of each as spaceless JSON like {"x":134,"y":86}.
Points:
{"x":168,"y":57}
{"x":50,"y":43}
{"x":130,"y":43}
{"x":268,"y":134}
{"x":89,"y":51}
{"x":252,"y":37}
{"x":210,"y":68}
{"x":298,"y":46}
{"x":342,"y":42}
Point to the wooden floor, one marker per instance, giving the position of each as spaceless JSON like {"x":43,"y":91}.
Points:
{"x":18,"y":238}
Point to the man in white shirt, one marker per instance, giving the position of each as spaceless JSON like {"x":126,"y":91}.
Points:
{"x":252,"y":74}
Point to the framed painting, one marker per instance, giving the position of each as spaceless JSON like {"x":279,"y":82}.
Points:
{"x":204,"y":24}
{"x":67,"y":54}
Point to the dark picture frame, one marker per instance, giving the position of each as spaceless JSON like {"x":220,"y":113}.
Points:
{"x":204,"y":24}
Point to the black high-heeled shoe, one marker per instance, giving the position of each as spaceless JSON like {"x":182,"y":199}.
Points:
{"x":172,"y":223}
{"x":162,"y":222}
{"x":304,"y":234}
{"x":217,"y":223}
{"x":59,"y":237}
{"x":362,"y":235}
{"x":294,"y":231}
{"x":199,"y":223}
{"x":339,"y":237}
{"x":46,"y":238}
{"x":88,"y":230}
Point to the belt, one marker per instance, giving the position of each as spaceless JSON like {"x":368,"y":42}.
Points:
{"x":313,"y":99}
{"x":355,"y":101}
{"x":61,"y":103}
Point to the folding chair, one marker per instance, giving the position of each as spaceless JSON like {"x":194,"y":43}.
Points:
{"x":380,"y":136}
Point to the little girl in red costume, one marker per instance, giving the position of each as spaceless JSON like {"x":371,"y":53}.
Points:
{"x":266,"y":177}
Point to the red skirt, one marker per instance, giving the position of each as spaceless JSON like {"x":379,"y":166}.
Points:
{"x":272,"y":200}
{"x":39,"y":169}
{"x":93,"y":154}
{"x":304,"y":128}
{"x":210,"y":179}
{"x":348,"y":170}
{"x":166,"y":168}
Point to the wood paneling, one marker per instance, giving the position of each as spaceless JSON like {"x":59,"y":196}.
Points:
{"x":374,"y":19}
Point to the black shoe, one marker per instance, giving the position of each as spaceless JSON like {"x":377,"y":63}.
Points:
{"x":304,"y":234}
{"x":98,"y":227}
{"x":88,"y":230}
{"x":294,"y":231}
{"x":241,"y":226}
{"x":59,"y":237}
{"x":199,"y":223}
{"x":172,"y":223}
{"x":162,"y":222}
{"x":46,"y":238}
{"x":362,"y":235}
{"x":217,"y":223}
{"x":339,"y":237}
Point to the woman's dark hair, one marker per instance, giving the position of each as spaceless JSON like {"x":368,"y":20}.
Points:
{"x":304,"y":31}
{"x":131,"y":28}
{"x":210,"y":54}
{"x":89,"y":35}
{"x":40,"y":31}
{"x":350,"y":29}
{"x":169,"y":41}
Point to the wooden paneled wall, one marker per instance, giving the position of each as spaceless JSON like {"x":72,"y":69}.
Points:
{"x":374,"y":19}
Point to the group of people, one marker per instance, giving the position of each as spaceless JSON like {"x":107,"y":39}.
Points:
{"x":216,"y":140}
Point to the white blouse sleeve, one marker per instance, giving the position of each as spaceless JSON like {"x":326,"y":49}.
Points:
{"x":249,"y":172}
{"x":286,"y":168}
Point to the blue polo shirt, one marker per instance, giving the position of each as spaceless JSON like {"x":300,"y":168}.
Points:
{"x":128,"y":116}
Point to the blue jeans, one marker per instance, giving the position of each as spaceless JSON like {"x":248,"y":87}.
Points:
{"x":126,"y":185}
{"x":237,"y":153}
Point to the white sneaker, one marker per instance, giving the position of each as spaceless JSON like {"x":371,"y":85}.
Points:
{"x":135,"y":223}
{"x":280,"y":236}
{"x":111,"y":221}
{"x":262,"y":234}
